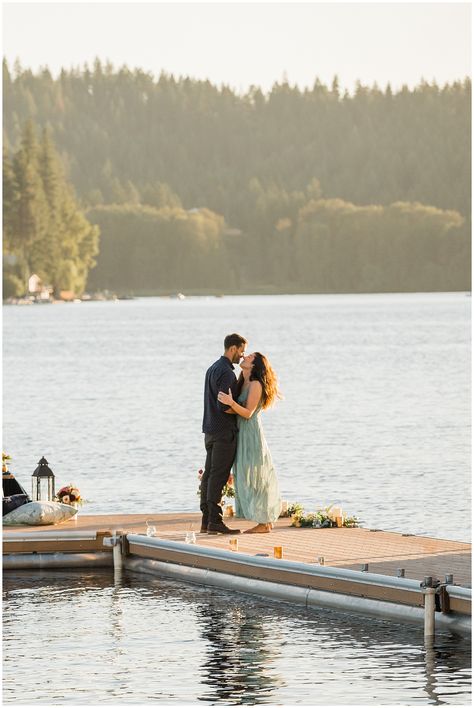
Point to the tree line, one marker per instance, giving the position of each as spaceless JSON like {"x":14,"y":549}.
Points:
{"x":312,"y":189}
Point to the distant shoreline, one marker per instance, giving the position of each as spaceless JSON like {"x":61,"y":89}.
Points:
{"x":166,"y":294}
{"x":268,"y":290}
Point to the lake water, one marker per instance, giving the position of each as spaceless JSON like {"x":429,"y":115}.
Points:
{"x":170,"y":643}
{"x":376,"y":414}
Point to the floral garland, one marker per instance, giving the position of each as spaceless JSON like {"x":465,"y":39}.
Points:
{"x":320,"y":519}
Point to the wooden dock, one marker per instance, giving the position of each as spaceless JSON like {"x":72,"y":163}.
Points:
{"x":384,"y":552}
{"x":393,"y":576}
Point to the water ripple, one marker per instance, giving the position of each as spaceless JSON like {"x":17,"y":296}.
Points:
{"x":159,"y":640}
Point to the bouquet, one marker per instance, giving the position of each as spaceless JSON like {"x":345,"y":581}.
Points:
{"x":69,"y":495}
{"x":228,"y":490}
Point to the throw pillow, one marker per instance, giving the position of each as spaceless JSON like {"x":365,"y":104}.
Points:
{"x":14,"y":501}
{"x":39,"y":513}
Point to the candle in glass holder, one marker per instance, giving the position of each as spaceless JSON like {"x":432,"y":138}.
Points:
{"x":233,"y":544}
{"x":284,"y":508}
{"x":339,"y":522}
{"x":190,"y":537}
{"x":277,"y":552}
{"x":150,"y":528}
{"x":229,"y":510}
{"x":335,"y":512}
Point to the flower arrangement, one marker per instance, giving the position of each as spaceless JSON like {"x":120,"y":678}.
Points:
{"x":320,"y":519}
{"x":69,"y":495}
{"x":5,"y":461}
{"x":228,"y":490}
{"x":295,"y":509}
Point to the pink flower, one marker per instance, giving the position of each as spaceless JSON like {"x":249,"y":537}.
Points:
{"x":200,"y":473}
{"x":66,"y":499}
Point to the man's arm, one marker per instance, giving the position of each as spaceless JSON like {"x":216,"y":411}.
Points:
{"x":223,"y":383}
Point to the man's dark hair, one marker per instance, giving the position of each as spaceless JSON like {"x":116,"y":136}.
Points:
{"x":234,"y":340}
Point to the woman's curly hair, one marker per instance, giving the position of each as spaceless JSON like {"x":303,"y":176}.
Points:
{"x":262,"y":371}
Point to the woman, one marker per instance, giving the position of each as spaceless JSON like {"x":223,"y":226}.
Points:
{"x":255,"y":482}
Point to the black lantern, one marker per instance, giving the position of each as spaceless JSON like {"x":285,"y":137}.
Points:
{"x":42,"y":487}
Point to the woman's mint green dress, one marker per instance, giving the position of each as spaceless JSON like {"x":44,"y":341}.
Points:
{"x":257,"y":495}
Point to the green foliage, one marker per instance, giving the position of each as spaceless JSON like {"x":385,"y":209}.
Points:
{"x":228,"y":492}
{"x":13,"y":286}
{"x":121,"y":127}
{"x":295,"y":509}
{"x":400,"y":247}
{"x":9,"y":199}
{"x":44,"y":229}
{"x":327,"y":245}
{"x":320,"y":519}
{"x":147,"y":250}
{"x":199,"y":189}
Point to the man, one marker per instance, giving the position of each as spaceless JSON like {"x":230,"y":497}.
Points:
{"x":220,"y":429}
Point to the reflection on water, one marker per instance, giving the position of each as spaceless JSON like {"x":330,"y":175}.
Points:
{"x":80,"y":638}
{"x":241,"y":650}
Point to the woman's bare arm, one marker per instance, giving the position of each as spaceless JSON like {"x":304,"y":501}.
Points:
{"x":253,"y":398}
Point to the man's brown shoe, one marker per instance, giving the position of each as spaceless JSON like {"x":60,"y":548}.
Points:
{"x":213,"y":529}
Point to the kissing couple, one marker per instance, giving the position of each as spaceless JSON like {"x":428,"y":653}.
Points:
{"x":234,"y":439}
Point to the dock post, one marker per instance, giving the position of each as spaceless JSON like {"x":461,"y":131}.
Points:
{"x":117,"y":551}
{"x":429,"y":593}
{"x":444,"y":594}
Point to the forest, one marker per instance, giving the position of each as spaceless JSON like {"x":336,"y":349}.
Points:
{"x":197,"y":188}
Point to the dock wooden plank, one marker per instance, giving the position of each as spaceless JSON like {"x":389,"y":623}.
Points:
{"x":384,"y":551}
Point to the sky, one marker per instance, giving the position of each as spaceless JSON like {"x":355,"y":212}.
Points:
{"x":240,"y":44}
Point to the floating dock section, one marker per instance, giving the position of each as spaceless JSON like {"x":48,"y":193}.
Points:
{"x":379,"y":574}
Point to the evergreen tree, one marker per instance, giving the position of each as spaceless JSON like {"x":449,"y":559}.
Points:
{"x":9,"y":200}
{"x":30,"y":217}
{"x":44,"y":229}
{"x":13,"y":283}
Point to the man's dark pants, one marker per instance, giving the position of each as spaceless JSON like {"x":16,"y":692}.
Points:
{"x":220,"y":448}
